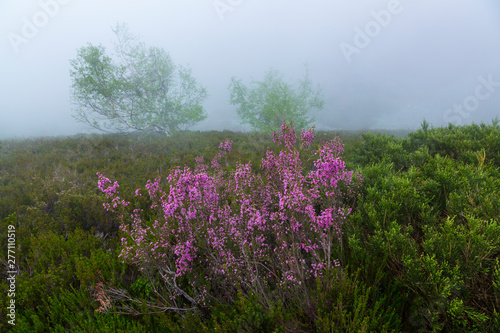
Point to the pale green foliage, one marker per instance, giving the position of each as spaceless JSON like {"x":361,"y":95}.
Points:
{"x":141,"y":89}
{"x":269,"y":102}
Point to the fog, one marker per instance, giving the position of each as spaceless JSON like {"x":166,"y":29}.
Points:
{"x":380,"y":64}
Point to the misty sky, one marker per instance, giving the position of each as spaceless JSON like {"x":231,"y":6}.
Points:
{"x":380,"y":64}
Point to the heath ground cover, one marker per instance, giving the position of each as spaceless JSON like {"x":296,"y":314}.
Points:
{"x":292,"y":232}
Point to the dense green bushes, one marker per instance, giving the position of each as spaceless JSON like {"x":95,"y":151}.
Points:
{"x":431,"y":219}
{"x":421,"y":248}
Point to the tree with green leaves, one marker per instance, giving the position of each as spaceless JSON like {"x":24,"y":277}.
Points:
{"x":265,"y":105}
{"x":139,"y":90}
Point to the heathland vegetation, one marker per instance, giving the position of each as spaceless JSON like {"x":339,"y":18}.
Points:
{"x":373,"y":233}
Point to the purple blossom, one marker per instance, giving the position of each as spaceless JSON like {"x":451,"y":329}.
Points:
{"x":240,"y":227}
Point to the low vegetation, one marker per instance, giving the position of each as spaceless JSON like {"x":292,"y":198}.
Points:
{"x":419,"y":250}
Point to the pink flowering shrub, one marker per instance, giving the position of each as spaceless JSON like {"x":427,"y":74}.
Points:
{"x":215,"y":233}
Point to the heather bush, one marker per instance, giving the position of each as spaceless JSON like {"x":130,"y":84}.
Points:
{"x":217,"y":233}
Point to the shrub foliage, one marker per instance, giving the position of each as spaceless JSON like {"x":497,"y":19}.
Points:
{"x":254,"y":239}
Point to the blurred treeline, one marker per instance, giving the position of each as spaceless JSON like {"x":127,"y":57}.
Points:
{"x":420,"y":251}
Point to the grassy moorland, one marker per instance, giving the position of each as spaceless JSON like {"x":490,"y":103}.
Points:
{"x":419,"y":252}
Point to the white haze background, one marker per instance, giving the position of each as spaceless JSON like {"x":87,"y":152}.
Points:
{"x":429,"y":59}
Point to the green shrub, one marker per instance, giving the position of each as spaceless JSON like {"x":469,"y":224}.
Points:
{"x":347,"y":304}
{"x":420,"y":249}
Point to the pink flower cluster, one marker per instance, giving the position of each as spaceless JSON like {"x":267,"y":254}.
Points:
{"x":111,"y":192}
{"x":218,"y":228}
{"x":224,"y":148}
